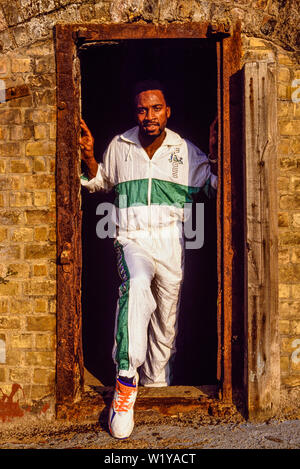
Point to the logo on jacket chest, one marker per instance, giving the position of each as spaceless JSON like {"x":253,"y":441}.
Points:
{"x":175,"y":160}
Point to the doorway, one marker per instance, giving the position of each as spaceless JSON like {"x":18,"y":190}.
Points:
{"x":222,"y":49}
{"x":109,"y":70}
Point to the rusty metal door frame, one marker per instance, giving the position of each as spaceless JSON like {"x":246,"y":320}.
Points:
{"x":69,"y":371}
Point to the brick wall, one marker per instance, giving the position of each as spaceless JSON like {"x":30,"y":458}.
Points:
{"x":27,"y":218}
{"x":27,"y":170}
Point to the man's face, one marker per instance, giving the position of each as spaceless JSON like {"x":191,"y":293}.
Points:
{"x":152,"y":112}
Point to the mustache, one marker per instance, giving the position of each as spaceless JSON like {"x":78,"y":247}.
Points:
{"x":146,"y":122}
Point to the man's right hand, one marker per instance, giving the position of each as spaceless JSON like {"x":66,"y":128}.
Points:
{"x":86,"y":143}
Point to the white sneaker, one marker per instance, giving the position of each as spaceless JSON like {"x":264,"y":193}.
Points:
{"x":120,"y":418}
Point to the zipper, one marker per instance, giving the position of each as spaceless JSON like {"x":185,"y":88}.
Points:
{"x":149,"y":193}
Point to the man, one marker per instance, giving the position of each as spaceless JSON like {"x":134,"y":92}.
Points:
{"x":154,"y":173}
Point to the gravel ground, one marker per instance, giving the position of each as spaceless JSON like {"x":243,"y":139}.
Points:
{"x":177,"y":435}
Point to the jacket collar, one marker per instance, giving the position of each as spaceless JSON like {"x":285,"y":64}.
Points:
{"x":132,"y":136}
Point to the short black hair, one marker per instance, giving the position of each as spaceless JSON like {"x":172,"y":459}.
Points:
{"x":147,"y":85}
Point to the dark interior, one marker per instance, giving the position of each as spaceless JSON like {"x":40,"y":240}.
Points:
{"x":109,"y":70}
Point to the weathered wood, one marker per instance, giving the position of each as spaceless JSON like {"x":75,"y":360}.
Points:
{"x":69,"y":358}
{"x":92,"y":32}
{"x":263,"y":372}
{"x":229,"y":252}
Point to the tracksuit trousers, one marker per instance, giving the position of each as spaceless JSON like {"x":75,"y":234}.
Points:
{"x":151,"y":270}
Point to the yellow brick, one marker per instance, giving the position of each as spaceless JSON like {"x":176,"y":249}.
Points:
{"x":40,"y":131}
{"x":10,"y":289}
{"x":43,"y":341}
{"x":52,"y":164}
{"x":284,"y":92}
{"x":37,"y":217}
{"x":3,"y":200}
{"x":9,"y":149}
{"x":10,"y":217}
{"x":39,"y":164}
{"x":295,"y":328}
{"x":296,"y":220}
{"x":291,"y":381}
{"x":40,"y":148}
{"x":40,"y":358}
{"x":9,"y":323}
{"x":289,"y":273}
{"x":284,"y":74}
{"x":21,"y":65}
{"x":20,"y":270}
{"x":2,"y":375}
{"x":295,"y":183}
{"x":21,"y":341}
{"x":283,"y":256}
{"x":283,"y":219}
{"x":19,"y":166}
{"x":52,"y":270}
{"x":39,"y":270}
{"x":43,"y":376}
{"x":284,"y":147}
{"x":3,"y":306}
{"x":284,"y":364}
{"x":289,"y":309}
{"x":3,"y":234}
{"x":21,"y":199}
{"x":284,"y":290}
{"x":290,"y":128}
{"x":283,"y":184}
{"x":295,"y":146}
{"x":295,"y":291}
{"x":52,"y":129}
{"x":40,"y":199}
{"x":40,"y":287}
{"x":40,"y":251}
{"x":284,"y":59}
{"x":255,"y":42}
{"x":52,"y":306}
{"x":39,"y":181}
{"x":52,"y":199}
{"x":41,"y":323}
{"x":41,"y":233}
{"x":13,"y":357}
{"x":10,"y":252}
{"x":285,"y":109}
{"x":4,"y":66}
{"x":20,"y":306}
{"x":16,"y":132}
{"x":289,"y":238}
{"x":39,"y":392}
{"x":40,"y":306}
{"x":22,"y":234}
{"x":284,"y":327}
{"x":20,"y":375}
{"x":297,"y":110}
{"x":4,"y":133}
{"x":286,"y":345}
{"x":295,"y":257}
{"x":52,"y":234}
{"x":2,"y":167}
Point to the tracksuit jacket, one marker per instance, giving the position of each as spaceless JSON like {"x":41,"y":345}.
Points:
{"x":151,"y":195}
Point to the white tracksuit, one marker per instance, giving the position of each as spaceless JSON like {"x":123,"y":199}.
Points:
{"x":151,"y":194}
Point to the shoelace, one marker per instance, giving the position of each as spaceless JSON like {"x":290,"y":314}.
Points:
{"x":124,"y":398}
